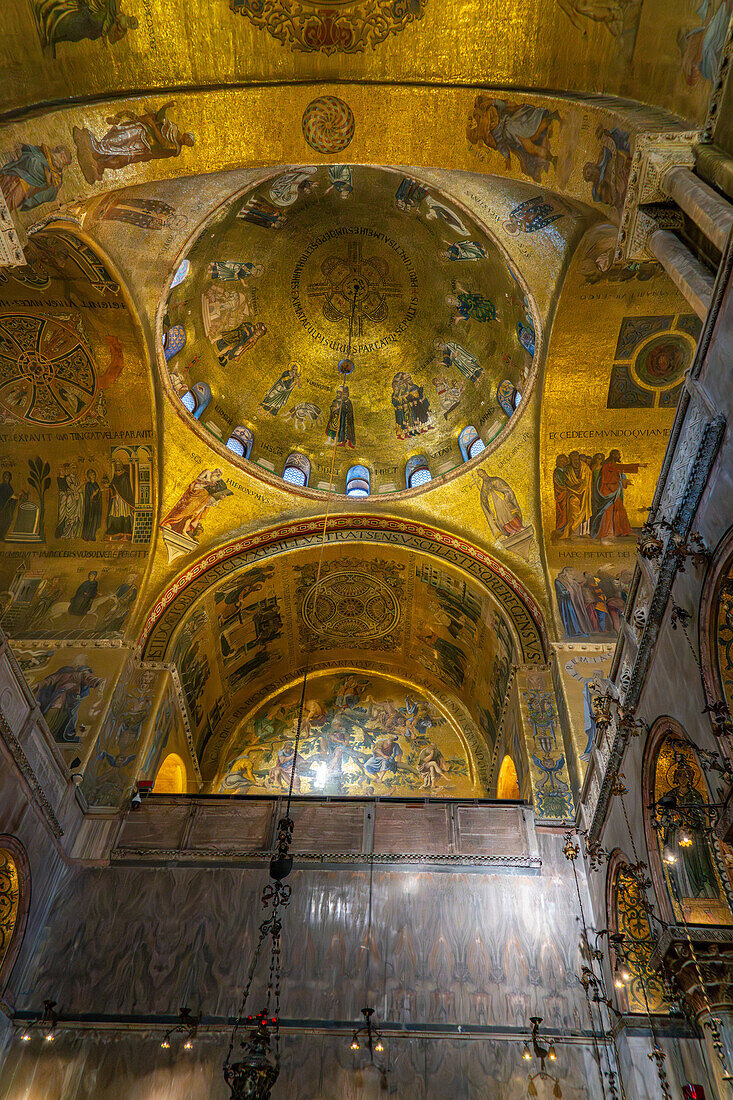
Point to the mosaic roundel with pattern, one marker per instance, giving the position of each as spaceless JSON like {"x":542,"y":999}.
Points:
{"x":351,"y":606}
{"x":47,"y":373}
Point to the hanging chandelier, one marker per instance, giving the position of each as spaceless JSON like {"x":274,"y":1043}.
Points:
{"x":254,"y":1074}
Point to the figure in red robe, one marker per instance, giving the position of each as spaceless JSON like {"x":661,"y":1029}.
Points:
{"x":609,"y":519}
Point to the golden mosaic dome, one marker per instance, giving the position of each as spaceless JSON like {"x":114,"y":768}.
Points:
{"x":257,"y":332}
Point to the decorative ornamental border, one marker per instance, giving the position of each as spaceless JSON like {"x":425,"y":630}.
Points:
{"x":520,"y":606}
{"x":196,"y":858}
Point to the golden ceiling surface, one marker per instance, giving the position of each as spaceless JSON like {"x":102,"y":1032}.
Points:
{"x":442,"y":331}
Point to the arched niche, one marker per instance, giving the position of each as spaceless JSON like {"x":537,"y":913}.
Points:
{"x":79,"y":435}
{"x":171,"y":777}
{"x":15,"y":896}
{"x":626,"y":914}
{"x":695,"y":887}
{"x":361,"y":734}
{"x":507,"y":785}
{"x":716,"y":628}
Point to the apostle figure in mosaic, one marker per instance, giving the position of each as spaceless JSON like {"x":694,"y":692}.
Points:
{"x":340,"y":427}
{"x":411,"y":407}
{"x":234,"y":342}
{"x":130,"y":139}
{"x":280,"y":391}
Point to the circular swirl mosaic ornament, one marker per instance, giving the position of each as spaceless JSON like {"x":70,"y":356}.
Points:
{"x":328,"y":124}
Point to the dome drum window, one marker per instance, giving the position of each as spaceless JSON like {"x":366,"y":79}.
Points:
{"x":358,"y":482}
{"x":471,"y":443}
{"x":197,"y":399}
{"x":174,"y":340}
{"x":240,"y":442}
{"x":508,"y":396}
{"x":417,"y":472}
{"x":297,"y":470}
{"x":181,"y":272}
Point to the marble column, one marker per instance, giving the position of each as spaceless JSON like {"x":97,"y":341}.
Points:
{"x":707,"y":209}
{"x":693,"y":279}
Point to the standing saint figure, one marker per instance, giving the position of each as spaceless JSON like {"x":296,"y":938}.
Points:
{"x":453,"y":355}
{"x":8,"y":501}
{"x":609,"y":518}
{"x":692,"y":873}
{"x":500,"y":506}
{"x":233,"y":342}
{"x":70,"y":504}
{"x":340,"y":427}
{"x":130,"y":139}
{"x":573,"y":485}
{"x":411,"y":407}
{"x":280,"y":391}
{"x":121,"y":508}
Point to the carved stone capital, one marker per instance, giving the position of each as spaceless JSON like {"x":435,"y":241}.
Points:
{"x":699,"y":961}
{"x":654,"y":155}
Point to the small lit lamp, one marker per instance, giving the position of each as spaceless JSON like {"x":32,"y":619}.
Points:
{"x":685,"y":839}
{"x":526,"y":1054}
{"x":551,"y":1053}
{"x":668,"y":855}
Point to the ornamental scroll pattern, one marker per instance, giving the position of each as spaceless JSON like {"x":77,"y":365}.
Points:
{"x":9,"y":900}
{"x":330,"y":26}
{"x":644,"y":991}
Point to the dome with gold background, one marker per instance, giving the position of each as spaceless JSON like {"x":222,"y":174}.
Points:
{"x":349,"y":307}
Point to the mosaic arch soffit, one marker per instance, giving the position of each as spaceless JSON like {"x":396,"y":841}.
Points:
{"x":70,"y":374}
{"x":572,"y":136}
{"x":519,"y":608}
{"x":448,"y":705}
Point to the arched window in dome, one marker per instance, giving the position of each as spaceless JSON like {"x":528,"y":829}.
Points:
{"x":174,"y":339}
{"x":171,"y":777}
{"x":508,"y":782}
{"x":417,"y":471}
{"x":358,"y":482}
{"x":508,"y":396}
{"x":181,"y":272}
{"x":297,"y":470}
{"x":471,"y":443}
{"x":241,"y":441}
{"x":196,"y":399}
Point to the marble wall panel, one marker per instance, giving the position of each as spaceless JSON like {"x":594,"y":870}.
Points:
{"x":446,"y":948}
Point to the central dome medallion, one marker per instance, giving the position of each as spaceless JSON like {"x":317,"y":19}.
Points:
{"x":442,"y":335}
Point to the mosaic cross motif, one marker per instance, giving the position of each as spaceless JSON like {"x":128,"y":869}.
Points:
{"x":354,"y":276}
{"x":47,"y":373}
